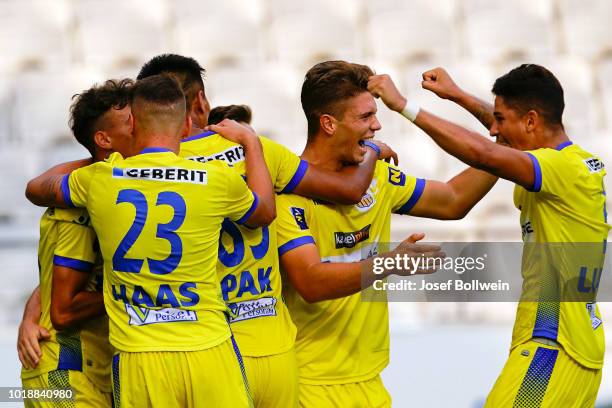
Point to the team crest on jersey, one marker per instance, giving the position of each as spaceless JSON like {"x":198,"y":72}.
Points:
{"x":367,"y":201}
{"x":300,"y":217}
{"x":350,"y":239}
{"x":396,"y":177}
{"x":594,"y":164}
{"x":251,"y":309}
{"x":140,"y":316}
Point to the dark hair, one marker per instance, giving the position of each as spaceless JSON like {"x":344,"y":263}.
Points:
{"x":532,"y":87}
{"x":158,"y":100}
{"x":239,"y":113}
{"x":188,"y":72}
{"x":327,"y":86}
{"x":89,"y":106}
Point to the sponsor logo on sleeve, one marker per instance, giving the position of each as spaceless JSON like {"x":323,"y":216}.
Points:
{"x":594,"y":164}
{"x":592,"y":311}
{"x":300,"y":217}
{"x":396,"y":177}
{"x":350,"y":239}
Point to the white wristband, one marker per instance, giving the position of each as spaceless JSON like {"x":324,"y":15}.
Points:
{"x":411,"y":111}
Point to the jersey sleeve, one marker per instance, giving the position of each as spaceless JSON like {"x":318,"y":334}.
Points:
{"x":286,"y":168}
{"x":292,"y":223}
{"x":241,"y":201}
{"x":551,"y":172}
{"x":75,"y":244}
{"x":75,"y":185}
{"x":404,"y":191}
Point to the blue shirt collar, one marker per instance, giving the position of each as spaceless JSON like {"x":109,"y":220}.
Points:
{"x":198,"y":136}
{"x":154,"y":150}
{"x":564,"y":145}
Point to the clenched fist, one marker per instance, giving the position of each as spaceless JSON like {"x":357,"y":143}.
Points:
{"x":438,"y":81}
{"x":382,"y":86}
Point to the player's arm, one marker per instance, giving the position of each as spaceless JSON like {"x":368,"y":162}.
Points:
{"x":438,"y":81}
{"x":30,"y":332}
{"x":316,"y":281}
{"x":454,"y":199}
{"x":348,"y":185}
{"x":70,"y":303}
{"x":46,"y":189}
{"x":469,"y":147}
{"x":257,"y":174}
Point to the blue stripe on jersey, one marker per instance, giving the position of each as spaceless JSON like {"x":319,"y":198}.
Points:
{"x":70,"y":354}
{"x":116,"y":382}
{"x":72,"y":263}
{"x":198,"y":136}
{"x":532,"y":390}
{"x":294,"y":243}
{"x":414,"y":198}
{"x":66,"y":191}
{"x":297,"y":177}
{"x":242,"y":369}
{"x":564,"y":145}
{"x":547,"y":320}
{"x":537,"y":181}
{"x":246,"y":215}
{"x":154,"y":150}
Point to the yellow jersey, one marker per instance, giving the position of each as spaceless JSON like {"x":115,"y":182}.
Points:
{"x":248,"y":261}
{"x":67,"y":239}
{"x":344,"y":340}
{"x":158,"y":219}
{"x":564,"y":226}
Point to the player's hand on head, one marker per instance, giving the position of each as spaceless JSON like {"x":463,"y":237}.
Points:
{"x":382,"y":86}
{"x":28,"y":348}
{"x":386,"y":153}
{"x":427,"y":255}
{"x":233,"y":131}
{"x":438,"y":81}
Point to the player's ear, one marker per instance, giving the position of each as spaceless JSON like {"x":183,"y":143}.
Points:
{"x":531,"y":120}
{"x":327,"y":123}
{"x":103,"y":140}
{"x":187,"y":127}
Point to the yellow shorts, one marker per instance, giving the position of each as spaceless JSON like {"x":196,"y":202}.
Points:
{"x":371,"y":393}
{"x":85,"y":393}
{"x":538,"y":375}
{"x":273,"y":380}
{"x":213,"y":377}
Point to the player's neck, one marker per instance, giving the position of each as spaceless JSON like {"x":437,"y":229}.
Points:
{"x":552,"y":137}
{"x":165,"y":142}
{"x":195,"y":130}
{"x":322,"y":155}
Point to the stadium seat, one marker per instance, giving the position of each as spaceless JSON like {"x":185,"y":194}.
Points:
{"x":304,"y":39}
{"x":344,"y":10}
{"x":138,"y":31}
{"x":586,"y":27}
{"x":232,"y":31}
{"x":401,"y":36}
{"x":34,"y":35}
{"x":271,"y":91}
{"x":605,"y":85}
{"x":495,"y":34}
{"x":42,"y":102}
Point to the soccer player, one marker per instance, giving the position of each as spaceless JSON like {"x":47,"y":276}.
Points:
{"x":248,"y":261}
{"x":342,"y":340}
{"x":67,"y":310}
{"x":158,"y":218}
{"x":557,"y":346}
